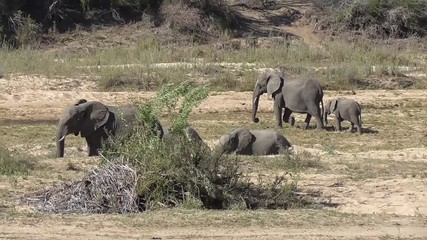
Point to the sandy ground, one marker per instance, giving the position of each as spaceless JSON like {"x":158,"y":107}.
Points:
{"x":35,"y":98}
{"x":381,"y":207}
{"x":39,"y":98}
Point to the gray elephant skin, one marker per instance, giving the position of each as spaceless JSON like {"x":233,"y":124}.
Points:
{"x":300,"y":95}
{"x":243,"y":141}
{"x":96,"y":122}
{"x":190,"y":134}
{"x":344,"y":109}
{"x":194,"y":137}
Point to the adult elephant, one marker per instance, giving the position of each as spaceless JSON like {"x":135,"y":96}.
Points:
{"x":96,"y":122}
{"x":300,"y":95}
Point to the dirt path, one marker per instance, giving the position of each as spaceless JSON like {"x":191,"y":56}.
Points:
{"x":194,"y":225}
{"x":56,"y":231}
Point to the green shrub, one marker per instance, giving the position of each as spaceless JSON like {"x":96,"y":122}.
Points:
{"x":12,"y":163}
{"x":178,"y":172}
{"x":26,"y":30}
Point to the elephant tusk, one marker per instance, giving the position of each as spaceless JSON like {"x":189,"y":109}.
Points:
{"x":61,"y":139}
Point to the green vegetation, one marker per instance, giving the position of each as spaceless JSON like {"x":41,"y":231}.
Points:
{"x":337,"y":65}
{"x":183,"y":173}
{"x":21,"y":21}
{"x":184,"y":25}
{"x":14,"y":163}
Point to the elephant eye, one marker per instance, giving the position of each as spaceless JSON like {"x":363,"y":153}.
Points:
{"x":81,"y":116}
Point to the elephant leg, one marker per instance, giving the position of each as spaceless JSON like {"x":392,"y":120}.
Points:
{"x":278,"y":109}
{"x":358,"y":128}
{"x":319,"y":122}
{"x":93,"y":144}
{"x":315,"y":111}
{"x":306,"y":122}
{"x":356,"y":123}
{"x":288,"y":118}
{"x":337,"y":124}
{"x":350,"y":129}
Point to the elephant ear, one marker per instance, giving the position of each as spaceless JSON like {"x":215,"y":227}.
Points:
{"x":333,"y":105}
{"x":244,"y":137}
{"x":224,"y":140}
{"x":80,"y":101}
{"x":96,"y":115}
{"x":273,"y":84}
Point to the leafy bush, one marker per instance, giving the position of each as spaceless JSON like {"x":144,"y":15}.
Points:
{"x":180,"y":173}
{"x":12,"y":163}
{"x":380,"y":18}
{"x":173,"y":173}
{"x":27,"y":31}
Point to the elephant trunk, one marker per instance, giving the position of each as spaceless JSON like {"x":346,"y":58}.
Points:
{"x":255,"y":102}
{"x":224,"y":144}
{"x":60,"y":140}
{"x":325,"y":117}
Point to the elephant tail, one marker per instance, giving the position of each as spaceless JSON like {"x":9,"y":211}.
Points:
{"x":322,"y":112}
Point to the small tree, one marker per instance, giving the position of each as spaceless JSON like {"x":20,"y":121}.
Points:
{"x":26,"y":30}
{"x":175,"y":173}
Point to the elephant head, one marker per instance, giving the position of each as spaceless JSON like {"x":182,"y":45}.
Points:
{"x":84,"y":118}
{"x":80,"y":101}
{"x":269,"y":83}
{"x":330,"y":107}
{"x":237,"y":140}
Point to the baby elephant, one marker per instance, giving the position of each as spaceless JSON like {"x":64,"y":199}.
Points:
{"x":190,"y":134}
{"x":254,"y":142}
{"x":344,"y":109}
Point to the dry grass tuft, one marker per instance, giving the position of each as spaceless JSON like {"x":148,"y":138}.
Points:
{"x":104,"y":190}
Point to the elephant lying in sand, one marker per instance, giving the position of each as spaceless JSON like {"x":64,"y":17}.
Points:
{"x":254,"y":142}
{"x":96,"y":122}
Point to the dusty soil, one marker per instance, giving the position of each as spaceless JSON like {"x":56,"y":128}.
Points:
{"x":32,"y":99}
{"x":373,"y":190}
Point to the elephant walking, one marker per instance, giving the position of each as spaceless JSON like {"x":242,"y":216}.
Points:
{"x":300,"y":95}
{"x":96,"y":122}
{"x":344,"y":109}
{"x":254,"y":142}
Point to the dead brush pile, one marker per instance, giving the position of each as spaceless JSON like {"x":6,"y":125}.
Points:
{"x":103,"y":190}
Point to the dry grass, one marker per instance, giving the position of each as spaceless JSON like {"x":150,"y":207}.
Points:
{"x":338,"y":65}
{"x":344,"y":157}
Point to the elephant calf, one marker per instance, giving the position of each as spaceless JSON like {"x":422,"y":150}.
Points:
{"x":96,"y":122}
{"x":344,"y":109}
{"x":254,"y":142}
{"x":191,"y":136}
